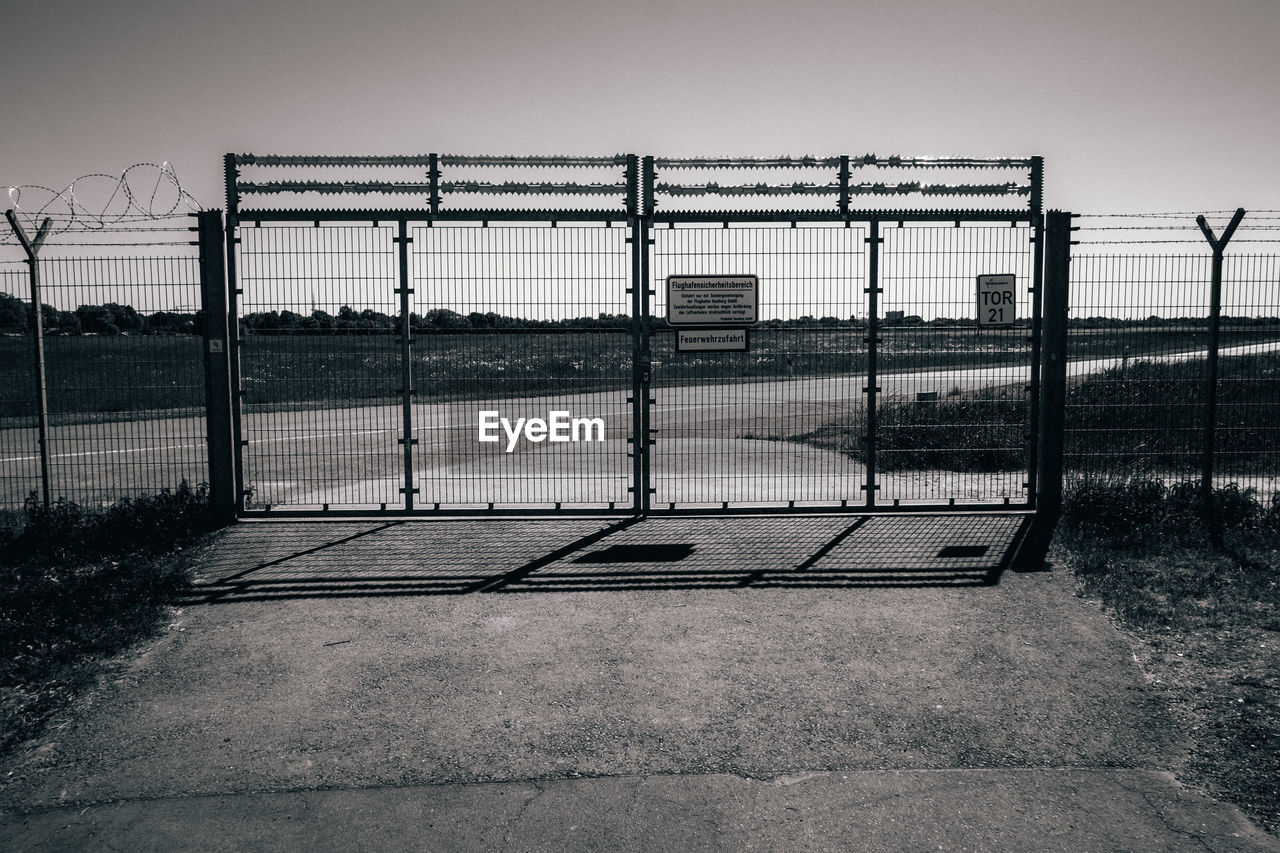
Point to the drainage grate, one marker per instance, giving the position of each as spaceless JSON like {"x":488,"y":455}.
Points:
{"x":964,"y":551}
{"x":665,"y":553}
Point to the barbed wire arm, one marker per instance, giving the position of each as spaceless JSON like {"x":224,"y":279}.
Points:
{"x":32,"y":247}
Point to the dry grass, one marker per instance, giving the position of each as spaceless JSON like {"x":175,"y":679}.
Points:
{"x":1202,"y":606}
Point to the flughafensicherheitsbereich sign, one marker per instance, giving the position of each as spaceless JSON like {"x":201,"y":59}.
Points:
{"x":712,"y":300}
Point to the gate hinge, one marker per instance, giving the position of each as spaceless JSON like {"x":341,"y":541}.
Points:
{"x":412,"y":491}
{"x":403,"y":290}
{"x":412,"y":441}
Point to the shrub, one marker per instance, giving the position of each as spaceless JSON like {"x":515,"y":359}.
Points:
{"x":1142,"y":512}
{"x":66,"y":532}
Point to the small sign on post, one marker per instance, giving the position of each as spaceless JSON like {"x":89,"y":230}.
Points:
{"x":712,"y":340}
{"x":712,"y":300}
{"x":997,"y":300}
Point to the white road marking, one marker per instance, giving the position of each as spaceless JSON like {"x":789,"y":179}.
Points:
{"x":103,"y":452}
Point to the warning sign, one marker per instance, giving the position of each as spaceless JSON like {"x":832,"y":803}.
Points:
{"x":712,"y":300}
{"x":997,"y":300}
{"x":712,"y":340}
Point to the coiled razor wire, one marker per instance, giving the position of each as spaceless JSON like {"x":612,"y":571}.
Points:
{"x":135,"y":197}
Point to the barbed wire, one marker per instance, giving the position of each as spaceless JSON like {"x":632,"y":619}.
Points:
{"x":1199,"y":242}
{"x":68,"y":210}
{"x":1142,"y":213}
{"x":1191,"y":227}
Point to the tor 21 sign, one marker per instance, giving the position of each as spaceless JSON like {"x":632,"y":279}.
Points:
{"x":997,"y":300}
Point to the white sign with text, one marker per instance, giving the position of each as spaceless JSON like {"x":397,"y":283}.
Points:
{"x":997,"y":300}
{"x":711,"y":340}
{"x":712,"y":300}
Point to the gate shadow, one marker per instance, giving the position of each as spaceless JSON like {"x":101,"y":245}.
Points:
{"x":271,"y":561}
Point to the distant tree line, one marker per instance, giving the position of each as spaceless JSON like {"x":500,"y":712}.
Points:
{"x":1156,"y":322}
{"x":109,"y":319}
{"x":115,"y":319}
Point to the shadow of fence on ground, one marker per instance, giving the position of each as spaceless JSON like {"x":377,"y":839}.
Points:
{"x":269,"y":561}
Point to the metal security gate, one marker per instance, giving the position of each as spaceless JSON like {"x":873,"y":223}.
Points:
{"x":422,"y":354}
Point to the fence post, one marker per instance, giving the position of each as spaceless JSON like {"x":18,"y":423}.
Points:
{"x":873,"y":290}
{"x":32,"y":248}
{"x":644,"y":362}
{"x":217,"y":369}
{"x":1053,"y":391}
{"x":231,"y":177}
{"x":1037,"y":331}
{"x":402,"y":240}
{"x":1215,"y":322}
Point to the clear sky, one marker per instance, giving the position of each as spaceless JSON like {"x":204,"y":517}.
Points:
{"x":1136,"y":106}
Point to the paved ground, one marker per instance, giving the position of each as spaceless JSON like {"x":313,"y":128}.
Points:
{"x":777,"y":683}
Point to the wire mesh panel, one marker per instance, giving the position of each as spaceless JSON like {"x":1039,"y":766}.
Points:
{"x":126,"y":394}
{"x":320,"y":366}
{"x":954,"y":406}
{"x":522,"y":366}
{"x":19,"y":441}
{"x":124,"y":380}
{"x":1247,"y":437}
{"x":784,"y":421}
{"x":1136,"y":349}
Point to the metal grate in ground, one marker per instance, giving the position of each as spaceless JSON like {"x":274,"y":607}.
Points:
{"x":285,"y":560}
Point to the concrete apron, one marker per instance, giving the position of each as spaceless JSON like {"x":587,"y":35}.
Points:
{"x":675,"y":683}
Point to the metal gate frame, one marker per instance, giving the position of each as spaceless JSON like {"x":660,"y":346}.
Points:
{"x":846,"y":215}
{"x":640,"y":215}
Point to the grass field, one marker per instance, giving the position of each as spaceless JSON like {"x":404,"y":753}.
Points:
{"x":1139,"y":416}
